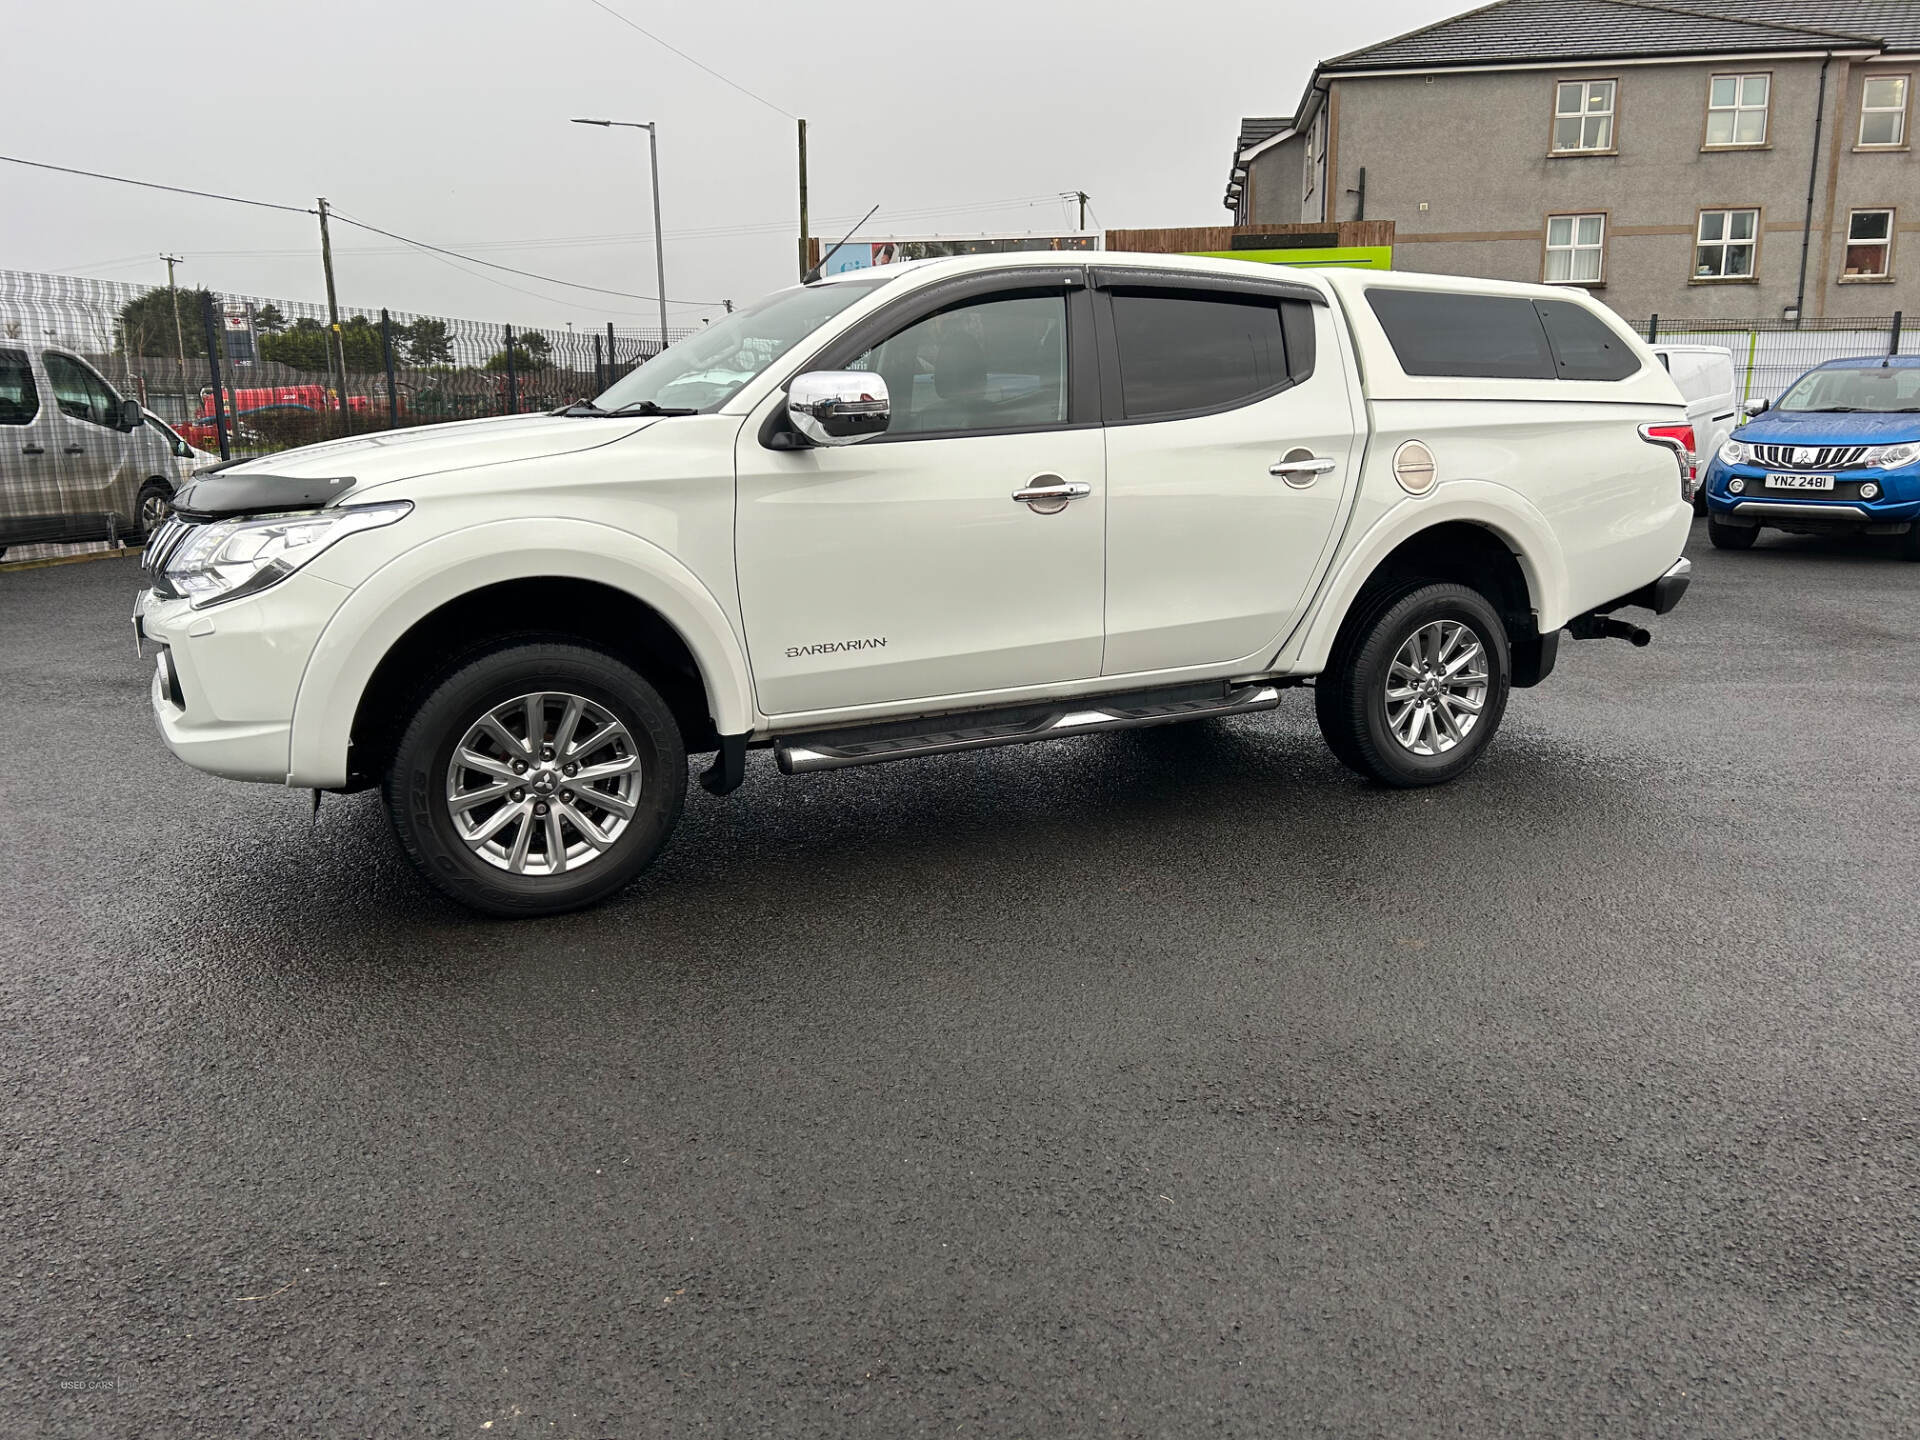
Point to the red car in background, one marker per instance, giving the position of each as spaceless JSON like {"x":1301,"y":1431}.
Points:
{"x":203,"y":430}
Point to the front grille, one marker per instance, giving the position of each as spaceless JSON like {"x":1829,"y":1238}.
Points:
{"x":165,"y":541}
{"x":1825,"y":457}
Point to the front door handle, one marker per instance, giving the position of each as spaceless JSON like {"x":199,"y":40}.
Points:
{"x":1049,"y":494}
{"x":32,"y":450}
{"x":76,"y":450}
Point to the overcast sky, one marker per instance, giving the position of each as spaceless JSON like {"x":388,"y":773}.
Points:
{"x":448,"y":122}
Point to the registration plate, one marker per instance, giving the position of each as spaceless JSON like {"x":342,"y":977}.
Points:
{"x":1800,"y":482}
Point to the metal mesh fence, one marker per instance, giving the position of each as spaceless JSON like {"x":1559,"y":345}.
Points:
{"x":288,"y":379}
{"x":1769,"y":355}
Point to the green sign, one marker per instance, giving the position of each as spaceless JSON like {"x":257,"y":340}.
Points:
{"x":1346,"y":257}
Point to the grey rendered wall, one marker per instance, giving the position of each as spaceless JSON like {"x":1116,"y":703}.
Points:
{"x":1474,"y":149}
{"x":1273,"y":184}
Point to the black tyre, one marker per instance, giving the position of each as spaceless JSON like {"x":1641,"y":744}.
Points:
{"x":1909,"y":543}
{"x":1731,"y":537}
{"x":1416,"y":685}
{"x":538,"y":777}
{"x":155,"y":503}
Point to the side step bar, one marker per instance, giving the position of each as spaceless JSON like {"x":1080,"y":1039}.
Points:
{"x":980,"y":729}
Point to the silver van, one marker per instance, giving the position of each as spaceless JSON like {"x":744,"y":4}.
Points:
{"x":77,"y":462}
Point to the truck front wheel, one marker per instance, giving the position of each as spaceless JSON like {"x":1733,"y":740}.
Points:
{"x":1731,"y":537}
{"x":538,"y":777}
{"x":1416,"y":686}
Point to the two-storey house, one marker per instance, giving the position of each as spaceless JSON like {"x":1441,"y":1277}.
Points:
{"x":1698,"y":158}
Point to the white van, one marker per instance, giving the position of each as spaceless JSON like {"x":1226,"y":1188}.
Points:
{"x":77,"y":462}
{"x":1704,"y":374}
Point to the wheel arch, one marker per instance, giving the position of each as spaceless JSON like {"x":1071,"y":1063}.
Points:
{"x":1494,"y":543}
{"x":554,"y":577}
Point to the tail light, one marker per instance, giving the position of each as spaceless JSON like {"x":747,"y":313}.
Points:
{"x":1678,"y":439}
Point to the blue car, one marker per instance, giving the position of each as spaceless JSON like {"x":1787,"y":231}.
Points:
{"x":1839,"y":454}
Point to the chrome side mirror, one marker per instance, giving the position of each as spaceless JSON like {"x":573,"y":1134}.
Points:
{"x":838,"y":407}
{"x":1759,"y":407}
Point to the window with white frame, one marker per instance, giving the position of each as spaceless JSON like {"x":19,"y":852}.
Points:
{"x":1737,"y":109}
{"x":1724,"y":245}
{"x":1869,"y":245}
{"x":1313,"y":147}
{"x":1883,"y":110}
{"x":1574,"y":247}
{"x":1582,"y":116}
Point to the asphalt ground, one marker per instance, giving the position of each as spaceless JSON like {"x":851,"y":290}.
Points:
{"x":1165,"y":1083}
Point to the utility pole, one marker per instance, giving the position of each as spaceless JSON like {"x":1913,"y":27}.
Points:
{"x":1081,"y":196}
{"x":336,"y":349}
{"x":179,"y":336}
{"x":806,"y":262}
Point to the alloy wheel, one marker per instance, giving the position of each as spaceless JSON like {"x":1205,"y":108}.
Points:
{"x":1436,"y":687}
{"x":543,"y":784}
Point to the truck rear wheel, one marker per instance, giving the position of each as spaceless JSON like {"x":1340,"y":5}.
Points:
{"x":1416,"y":686}
{"x":538,"y":777}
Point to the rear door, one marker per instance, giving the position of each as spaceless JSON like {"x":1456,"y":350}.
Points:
{"x":1230,"y":455}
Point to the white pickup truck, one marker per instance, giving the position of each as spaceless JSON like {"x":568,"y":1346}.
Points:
{"x":955,"y":504}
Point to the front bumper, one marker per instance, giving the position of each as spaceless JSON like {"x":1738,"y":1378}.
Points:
{"x":226,"y":678}
{"x":1892,"y":510}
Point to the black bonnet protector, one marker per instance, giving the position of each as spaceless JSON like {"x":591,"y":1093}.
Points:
{"x":219,"y":495}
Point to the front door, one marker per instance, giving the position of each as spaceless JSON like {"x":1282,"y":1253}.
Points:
{"x":94,"y":455}
{"x":1227,"y":470}
{"x":902,"y":568}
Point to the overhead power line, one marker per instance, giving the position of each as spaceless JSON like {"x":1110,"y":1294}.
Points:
{"x":700,"y":64}
{"x":508,"y":269}
{"x":570,"y":242}
{"x":154,"y":185}
{"x":344,"y":219}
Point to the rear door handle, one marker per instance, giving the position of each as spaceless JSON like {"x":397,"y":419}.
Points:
{"x":1056,"y":489}
{"x":76,"y":449}
{"x":1303,"y":469}
{"x":32,"y":450}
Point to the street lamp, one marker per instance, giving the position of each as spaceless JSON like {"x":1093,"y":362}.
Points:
{"x":659,"y":236}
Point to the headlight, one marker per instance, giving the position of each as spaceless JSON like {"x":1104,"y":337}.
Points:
{"x":1736,"y":452}
{"x":1891,"y":457}
{"x":232,"y":558}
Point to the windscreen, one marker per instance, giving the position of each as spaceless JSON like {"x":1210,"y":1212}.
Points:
{"x":709,"y":368}
{"x":1881,"y":390}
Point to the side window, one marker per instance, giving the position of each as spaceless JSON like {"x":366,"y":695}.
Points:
{"x":78,"y":391}
{"x":19,"y":398}
{"x":1182,"y":353}
{"x":1487,"y":337}
{"x":987,"y":365}
{"x":1584,"y":346}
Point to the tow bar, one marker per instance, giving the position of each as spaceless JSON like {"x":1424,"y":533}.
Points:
{"x":1602,"y":627}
